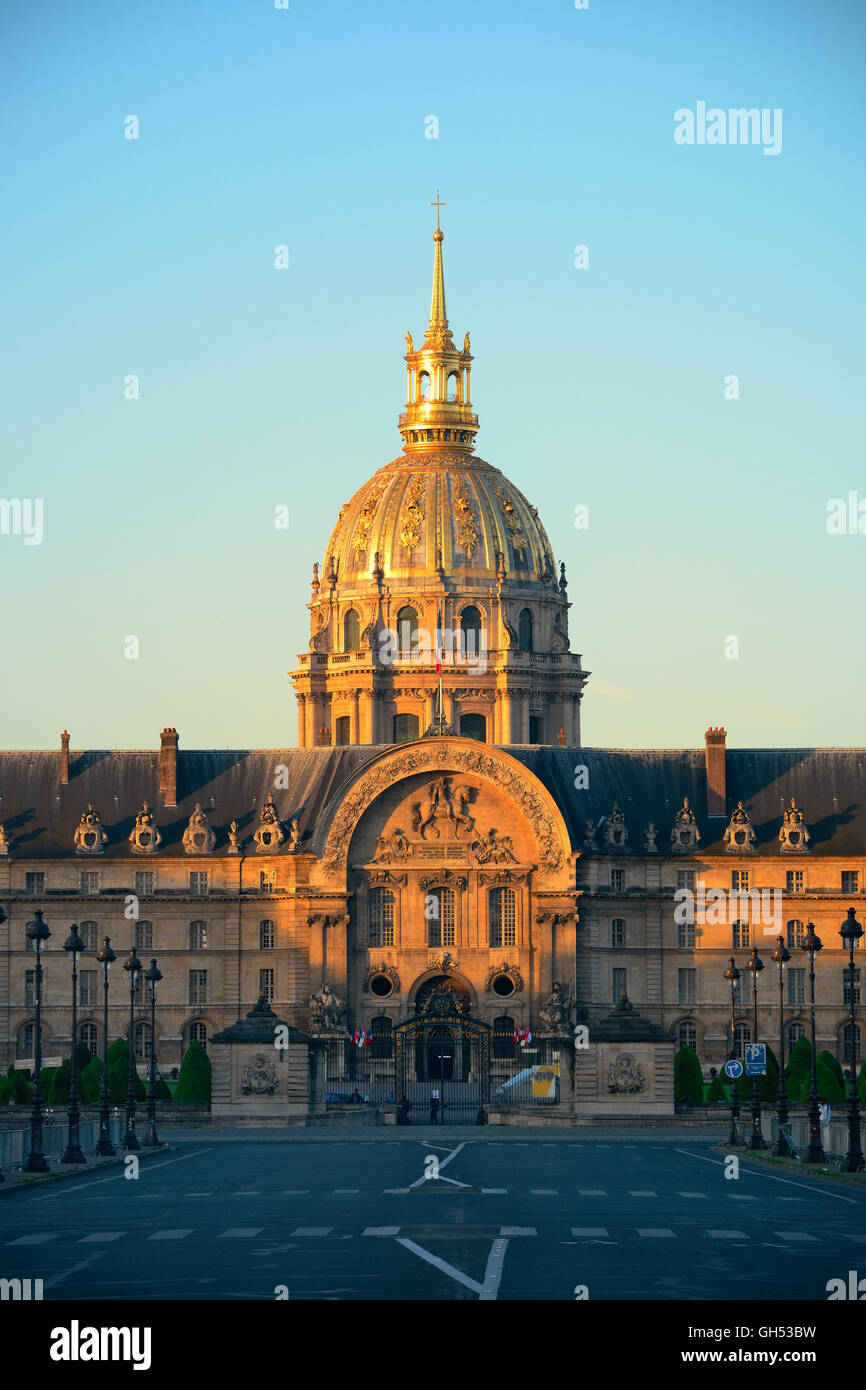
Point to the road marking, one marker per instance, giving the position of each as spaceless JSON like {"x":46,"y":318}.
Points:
{"x":313,"y":1231}
{"x":35,"y":1238}
{"x":589,"y":1231}
{"x":756,"y":1173}
{"x":518,"y":1231}
{"x":452,"y":1154}
{"x":98,"y":1236}
{"x":395,"y":1191}
{"x":345,"y":1191}
{"x":696,"y":1194}
{"x":117,"y":1177}
{"x":198,"y":1194}
{"x":287,"y":1192}
{"x":493,"y":1271}
{"x":240,"y":1232}
{"x":497,"y":1191}
{"x":544,"y":1192}
{"x":727,"y":1235}
{"x":643,"y":1194}
{"x":741,"y":1197}
{"x":591,"y":1192}
{"x":440,"y":1147}
{"x":794,"y":1235}
{"x":178,"y":1234}
{"x":381,"y":1231}
{"x":442,"y":1265}
{"x":248,"y":1192}
{"x":848,"y":1236}
{"x":654,"y":1233}
{"x":74,"y":1269}
{"x":791,"y":1199}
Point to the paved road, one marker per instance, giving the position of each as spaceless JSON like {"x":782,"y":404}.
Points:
{"x":525,"y":1215}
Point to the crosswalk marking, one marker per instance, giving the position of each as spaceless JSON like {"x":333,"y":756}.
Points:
{"x":34,"y":1238}
{"x":313,"y":1231}
{"x":295,"y":1191}
{"x":518,"y":1231}
{"x":100,"y":1237}
{"x":591,"y":1192}
{"x":395,"y":1191}
{"x":345,"y":1191}
{"x":198,"y":1194}
{"x":498,"y":1191}
{"x":741,"y":1197}
{"x":544,"y":1191}
{"x":727,"y":1235}
{"x":241,"y":1232}
{"x":692,"y":1194}
{"x":592,"y":1231}
{"x":640,"y":1193}
{"x":379,"y":1231}
{"x":655,"y":1233}
{"x":794,"y":1235}
{"x":171,"y":1235}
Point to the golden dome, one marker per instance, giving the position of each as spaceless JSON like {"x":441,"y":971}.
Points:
{"x":426,"y":513}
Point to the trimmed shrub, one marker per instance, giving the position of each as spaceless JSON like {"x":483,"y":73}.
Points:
{"x":194,"y":1080}
{"x":59,"y":1094}
{"x":716,"y":1091}
{"x":688,"y":1078}
{"x":162,"y":1091}
{"x":834,"y":1065}
{"x":829,"y":1085}
{"x":20,"y":1083}
{"x":799,"y":1070}
{"x":118,"y":1081}
{"x":770,"y":1083}
{"x":91,"y":1082}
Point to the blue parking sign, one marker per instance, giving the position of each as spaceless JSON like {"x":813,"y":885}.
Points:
{"x":756,"y":1059}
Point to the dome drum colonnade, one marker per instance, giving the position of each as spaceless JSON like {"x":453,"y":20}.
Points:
{"x":438,"y":538}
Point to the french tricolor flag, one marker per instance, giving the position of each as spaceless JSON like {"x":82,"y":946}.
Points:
{"x":523,"y":1035}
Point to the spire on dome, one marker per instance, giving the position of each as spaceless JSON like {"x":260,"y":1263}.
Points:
{"x":438,"y":314}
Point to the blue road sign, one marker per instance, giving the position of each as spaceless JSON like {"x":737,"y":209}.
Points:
{"x":733,"y":1069}
{"x":756,"y":1059}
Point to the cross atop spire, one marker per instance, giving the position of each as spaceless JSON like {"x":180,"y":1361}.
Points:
{"x":437,"y":205}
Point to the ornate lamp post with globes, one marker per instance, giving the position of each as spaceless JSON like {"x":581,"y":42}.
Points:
{"x":37,"y":931}
{"x":73,"y":946}
{"x":132,"y":965}
{"x":812,"y":944}
{"x":781,"y":956}
{"x":153,"y":976}
{"x":851,"y":932}
{"x":105,"y":956}
{"x":756,"y":1139}
{"x":732,"y":975}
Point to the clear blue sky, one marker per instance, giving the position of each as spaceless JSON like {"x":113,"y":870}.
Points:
{"x":601,"y":387}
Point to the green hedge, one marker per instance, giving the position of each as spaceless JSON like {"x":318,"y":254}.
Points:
{"x":688,"y":1078}
{"x":194,"y":1080}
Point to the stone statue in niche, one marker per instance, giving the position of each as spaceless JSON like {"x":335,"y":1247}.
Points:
{"x":327,"y":1010}
{"x":259,"y":1077}
{"x":555,"y":1013}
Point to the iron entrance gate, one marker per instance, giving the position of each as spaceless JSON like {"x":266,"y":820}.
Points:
{"x":442,"y":1055}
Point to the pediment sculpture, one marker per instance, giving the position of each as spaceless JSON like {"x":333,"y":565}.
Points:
{"x":794,"y":834}
{"x":685,"y":835}
{"x":739,"y":834}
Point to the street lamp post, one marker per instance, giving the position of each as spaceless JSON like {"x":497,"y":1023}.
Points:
{"x":2,"y":920}
{"x":153,"y":976}
{"x":781,"y":1148}
{"x":105,"y":956}
{"x":756,"y":1139}
{"x":36,"y":1162}
{"x":132,"y":965}
{"x":73,"y":946}
{"x":732,"y":975}
{"x":851,"y":933}
{"x":812,"y":944}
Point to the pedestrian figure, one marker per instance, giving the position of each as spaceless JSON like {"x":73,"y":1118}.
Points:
{"x":825,"y":1119}
{"x":434,"y":1108}
{"x":403,"y":1113}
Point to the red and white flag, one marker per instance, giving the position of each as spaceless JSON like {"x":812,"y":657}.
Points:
{"x":360,"y":1038}
{"x":522,"y":1035}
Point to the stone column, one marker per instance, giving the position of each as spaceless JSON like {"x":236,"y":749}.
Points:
{"x":506,"y":717}
{"x":524,"y":716}
{"x":354,"y":718}
{"x":302,"y":721}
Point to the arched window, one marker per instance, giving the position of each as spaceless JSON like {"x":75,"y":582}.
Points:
{"x":380,"y":917}
{"x":342,"y":729}
{"x":407,"y":630}
{"x":617,"y":933}
{"x":796,"y":1031}
{"x":846,"y":1043}
{"x":524,"y":631}
{"x":198,"y":936}
{"x":453,"y":387}
{"x":439,"y":912}
{"x":142,"y":1042}
{"x":796,"y":933}
{"x":742,"y":1035}
{"x":503,"y":1037}
{"x":424,"y":386}
{"x":405,"y":728}
{"x":89,"y":932}
{"x":502,"y":912}
{"x":90,"y":1037}
{"x":380,"y":1032}
{"x":687,"y":1036}
{"x":267,"y":935}
{"x":198,"y":1033}
{"x":470,"y":632}
{"x":351,"y":631}
{"x":144,"y":936}
{"x":473,"y":726}
{"x":27,"y":1041}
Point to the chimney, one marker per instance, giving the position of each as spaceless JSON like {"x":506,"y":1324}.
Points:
{"x":715,"y":757}
{"x":168,"y":767}
{"x":64,"y":759}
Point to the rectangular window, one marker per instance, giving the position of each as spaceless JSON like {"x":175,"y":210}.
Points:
{"x":796,"y":986}
{"x":198,"y":987}
{"x":686,"y":986}
{"x":35,"y":884}
{"x":686,"y":879}
{"x":266,"y":985}
{"x":741,"y":936}
{"x":846,"y":987}
{"x":88,"y":881}
{"x":198,"y":882}
{"x":795,"y":881}
{"x":617,"y":880}
{"x":267,"y":936}
{"x":88,"y":982}
{"x":267,"y":880}
{"x":144,"y":882}
{"x":439,"y":910}
{"x":685,"y":935}
{"x":795,"y":934}
{"x":741,"y":880}
{"x":341,"y":730}
{"x":144,"y":936}
{"x":380,"y":909}
{"x":850,"y":880}
{"x":617,"y":984}
{"x":29,"y":988}
{"x":502,"y":917}
{"x":617,"y":933}
{"x":198,"y":936}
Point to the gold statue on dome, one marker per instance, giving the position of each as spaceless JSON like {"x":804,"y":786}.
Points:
{"x":410,"y":346}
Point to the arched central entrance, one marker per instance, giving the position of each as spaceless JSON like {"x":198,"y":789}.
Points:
{"x":442,"y":1058}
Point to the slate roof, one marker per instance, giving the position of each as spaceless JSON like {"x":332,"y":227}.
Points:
{"x":41,"y":816}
